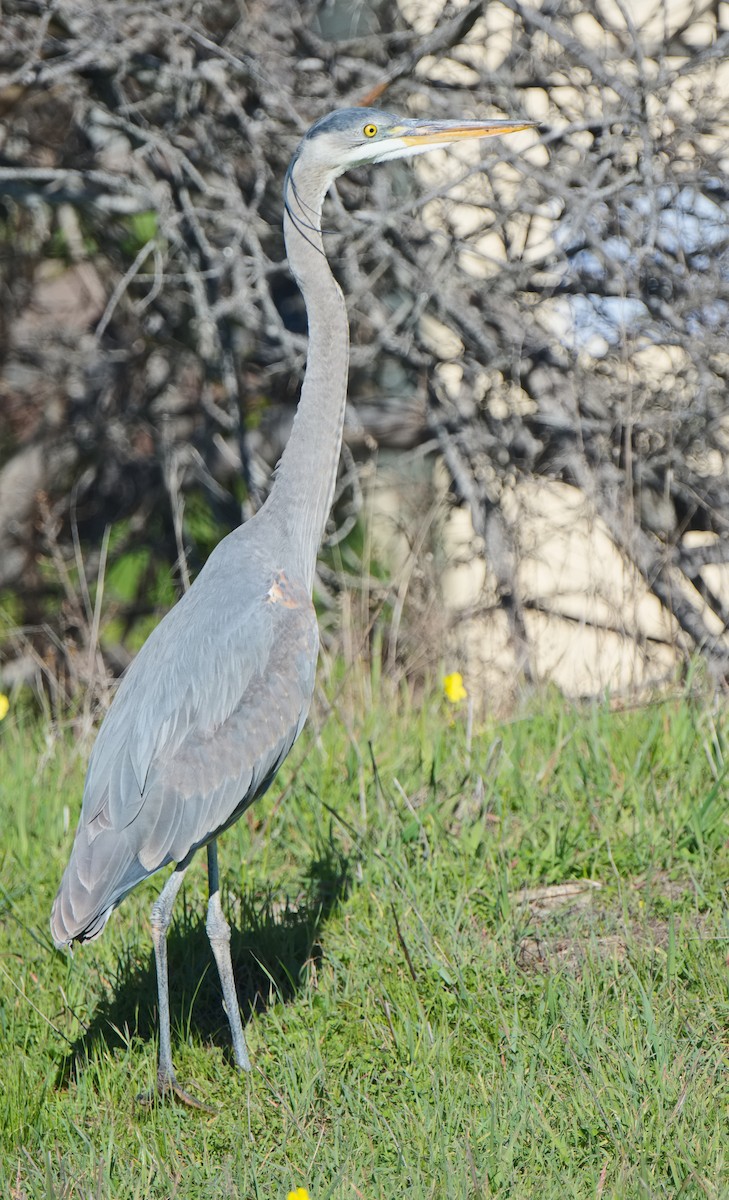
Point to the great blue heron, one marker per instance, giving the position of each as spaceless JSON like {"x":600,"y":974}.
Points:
{"x":219,"y":692}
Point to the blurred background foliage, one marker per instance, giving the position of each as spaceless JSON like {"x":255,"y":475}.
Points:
{"x":552,"y":311}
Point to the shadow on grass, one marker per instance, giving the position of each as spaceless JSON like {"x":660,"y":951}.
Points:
{"x":272,"y":943}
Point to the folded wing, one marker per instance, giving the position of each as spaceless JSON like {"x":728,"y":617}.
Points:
{"x":198,"y":729}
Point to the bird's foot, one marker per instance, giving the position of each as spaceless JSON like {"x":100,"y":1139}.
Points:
{"x":167,"y":1085}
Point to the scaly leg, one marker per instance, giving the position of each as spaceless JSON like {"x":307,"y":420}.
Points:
{"x":219,"y":937}
{"x":161,"y":918}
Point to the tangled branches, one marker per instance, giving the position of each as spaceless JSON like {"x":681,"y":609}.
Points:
{"x":560,"y":315}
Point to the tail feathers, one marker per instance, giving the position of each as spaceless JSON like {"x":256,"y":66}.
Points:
{"x":98,"y":877}
{"x":65,"y":928}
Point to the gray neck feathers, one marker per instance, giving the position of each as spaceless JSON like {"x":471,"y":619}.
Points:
{"x":303,"y":489}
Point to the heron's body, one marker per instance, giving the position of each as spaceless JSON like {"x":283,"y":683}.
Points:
{"x":187,"y":744}
{"x":216,"y":697}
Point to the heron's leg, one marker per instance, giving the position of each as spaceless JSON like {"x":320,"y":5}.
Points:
{"x":160,"y":918}
{"x":219,"y":936}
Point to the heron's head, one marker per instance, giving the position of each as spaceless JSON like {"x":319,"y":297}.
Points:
{"x":352,"y":137}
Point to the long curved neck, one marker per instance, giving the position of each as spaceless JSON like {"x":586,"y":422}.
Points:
{"x":303,"y":489}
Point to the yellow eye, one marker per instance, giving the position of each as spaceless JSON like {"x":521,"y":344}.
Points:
{"x":369,"y":130}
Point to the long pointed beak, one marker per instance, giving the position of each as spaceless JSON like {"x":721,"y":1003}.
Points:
{"x":428,"y":133}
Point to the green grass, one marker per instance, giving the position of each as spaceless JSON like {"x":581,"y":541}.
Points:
{"x":418,"y":1029}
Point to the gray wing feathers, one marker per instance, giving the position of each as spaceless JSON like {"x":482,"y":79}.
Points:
{"x":77,"y":912}
{"x":198,"y":728}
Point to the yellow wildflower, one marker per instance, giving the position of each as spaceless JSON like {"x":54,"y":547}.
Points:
{"x":453,"y":687}
{"x":4,"y":706}
{"x":299,"y":1194}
